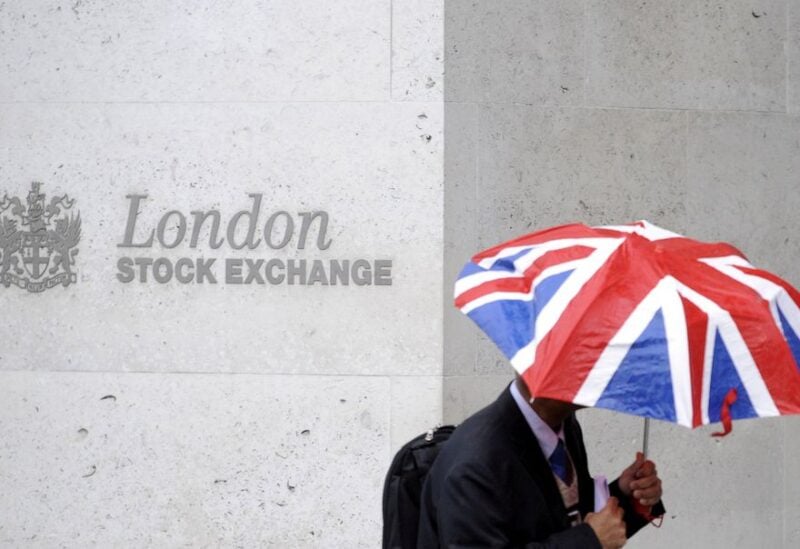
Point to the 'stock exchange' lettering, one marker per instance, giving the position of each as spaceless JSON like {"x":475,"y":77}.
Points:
{"x":244,"y":230}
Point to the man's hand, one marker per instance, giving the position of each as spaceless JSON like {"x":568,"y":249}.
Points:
{"x":641,"y":482}
{"x":608,"y":525}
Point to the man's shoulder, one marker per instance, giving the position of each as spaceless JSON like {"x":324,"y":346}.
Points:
{"x":485,"y":437}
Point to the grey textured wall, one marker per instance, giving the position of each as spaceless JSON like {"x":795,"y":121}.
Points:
{"x":683,"y":113}
{"x":243,"y":415}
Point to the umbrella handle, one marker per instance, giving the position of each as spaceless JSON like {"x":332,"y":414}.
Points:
{"x":646,"y":436}
{"x":641,"y":509}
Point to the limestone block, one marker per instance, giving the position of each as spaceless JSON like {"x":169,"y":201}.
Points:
{"x":465,"y":395}
{"x":542,"y":167}
{"x":793,"y":57}
{"x":416,"y":407}
{"x":791,"y":480}
{"x":178,"y":460}
{"x":686,"y":54}
{"x":190,"y":51}
{"x":504,"y":51}
{"x":460,"y":229}
{"x":417,"y":50}
{"x":742,"y":168}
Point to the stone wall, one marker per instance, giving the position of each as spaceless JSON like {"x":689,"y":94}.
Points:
{"x":221,"y":405}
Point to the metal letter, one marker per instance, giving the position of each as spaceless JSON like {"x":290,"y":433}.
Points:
{"x":162,"y":227}
{"x":268,"y":271}
{"x":143,"y":263}
{"x":254,"y":271}
{"x":204,"y":270}
{"x":317,"y":273}
{"x":133,"y":212}
{"x":287,"y":235}
{"x":180,"y":276}
{"x":213,"y":236}
{"x":308,"y":219}
{"x":296,"y":271}
{"x":383,"y":272}
{"x":360,"y":272}
{"x":233,"y":270}
{"x":157,"y":264}
{"x":251,"y":230}
{"x":125,"y":267}
{"x":340,"y":270}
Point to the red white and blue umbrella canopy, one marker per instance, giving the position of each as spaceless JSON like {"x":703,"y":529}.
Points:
{"x":641,"y":320}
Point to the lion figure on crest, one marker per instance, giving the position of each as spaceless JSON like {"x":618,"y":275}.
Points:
{"x":10,"y":243}
{"x":62,"y":239}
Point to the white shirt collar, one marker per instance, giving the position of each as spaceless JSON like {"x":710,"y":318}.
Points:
{"x":548,"y":440}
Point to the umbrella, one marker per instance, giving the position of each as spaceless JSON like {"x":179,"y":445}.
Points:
{"x":641,"y":320}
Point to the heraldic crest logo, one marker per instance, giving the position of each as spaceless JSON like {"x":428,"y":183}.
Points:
{"x":37,"y":241}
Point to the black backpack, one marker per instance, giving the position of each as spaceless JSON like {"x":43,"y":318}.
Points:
{"x":403,"y":487}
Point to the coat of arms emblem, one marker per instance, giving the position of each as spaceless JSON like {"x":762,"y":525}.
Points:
{"x":37,"y":241}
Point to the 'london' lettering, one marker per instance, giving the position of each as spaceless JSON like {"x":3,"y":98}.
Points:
{"x":277,"y":231}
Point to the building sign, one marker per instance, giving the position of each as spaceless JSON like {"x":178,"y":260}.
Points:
{"x":38,"y":241}
{"x":246,"y":230}
{"x":38,"y":245}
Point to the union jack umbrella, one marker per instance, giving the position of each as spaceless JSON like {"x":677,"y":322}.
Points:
{"x":641,"y":320}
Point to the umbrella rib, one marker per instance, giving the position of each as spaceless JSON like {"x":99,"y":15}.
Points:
{"x":678,"y":351}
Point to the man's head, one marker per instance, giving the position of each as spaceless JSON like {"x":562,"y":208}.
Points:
{"x":552,"y":411}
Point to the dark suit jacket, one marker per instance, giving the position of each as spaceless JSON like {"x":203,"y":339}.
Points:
{"x":492,"y":487}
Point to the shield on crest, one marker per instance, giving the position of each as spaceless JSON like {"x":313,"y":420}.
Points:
{"x":35,"y":256}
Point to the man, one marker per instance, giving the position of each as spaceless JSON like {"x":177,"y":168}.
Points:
{"x":493,"y":485}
